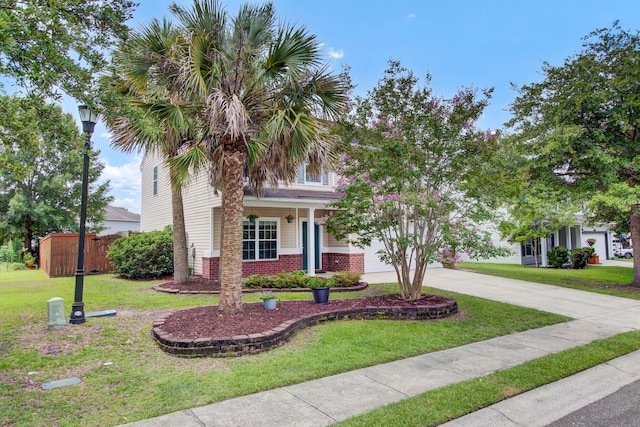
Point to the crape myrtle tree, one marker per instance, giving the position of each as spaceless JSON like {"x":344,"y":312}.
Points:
{"x":580,"y":126}
{"x":40,"y":178}
{"x":267,"y":102}
{"x":50,"y":45}
{"x":416,"y":176}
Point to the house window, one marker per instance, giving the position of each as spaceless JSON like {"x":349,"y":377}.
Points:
{"x":527,"y":248}
{"x":259,"y":240}
{"x":306,"y":177}
{"x":155,"y":180}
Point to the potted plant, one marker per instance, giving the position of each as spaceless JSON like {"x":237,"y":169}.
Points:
{"x":28,"y":259}
{"x":269,"y":300}
{"x":289,"y":218}
{"x":252,"y":218}
{"x":590,"y":252}
{"x":320,"y":290}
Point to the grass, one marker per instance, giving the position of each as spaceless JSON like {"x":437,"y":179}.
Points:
{"x":441,"y":405}
{"x":603,"y":280}
{"x":141,"y":381}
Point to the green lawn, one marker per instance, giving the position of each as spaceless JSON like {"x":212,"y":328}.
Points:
{"x":604,"y":280}
{"x":441,"y":405}
{"x":141,"y":381}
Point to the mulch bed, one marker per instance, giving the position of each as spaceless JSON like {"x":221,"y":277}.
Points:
{"x":205,"y":331}
{"x":199,"y":285}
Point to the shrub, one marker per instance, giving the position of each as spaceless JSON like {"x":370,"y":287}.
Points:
{"x":345,"y":279}
{"x":580,"y":256}
{"x":143,"y":255}
{"x":558,"y":256}
{"x":316,"y":282}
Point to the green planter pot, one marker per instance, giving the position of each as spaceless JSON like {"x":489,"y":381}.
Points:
{"x":270,"y":304}
{"x":320,"y":295}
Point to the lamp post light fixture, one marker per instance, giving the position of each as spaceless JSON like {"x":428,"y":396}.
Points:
{"x":89,"y":120}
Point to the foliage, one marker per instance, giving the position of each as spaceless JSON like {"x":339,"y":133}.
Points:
{"x":580,"y":256}
{"x":316,"y":282}
{"x":558,"y":256}
{"x":28,"y":258}
{"x":61,"y":44}
{"x":578,"y":128}
{"x":265,"y":102}
{"x":41,"y":177}
{"x":343,"y":279}
{"x":143,"y":255}
{"x":415,"y":164}
{"x":267,"y":295}
{"x":281,"y":280}
{"x":146,"y":111}
{"x":9,"y":252}
{"x":534,"y":212}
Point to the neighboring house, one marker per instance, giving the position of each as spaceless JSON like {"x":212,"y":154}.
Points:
{"x":572,"y":237}
{"x":119,"y":221}
{"x":273,"y":243}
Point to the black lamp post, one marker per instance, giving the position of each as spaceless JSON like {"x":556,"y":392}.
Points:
{"x":89,"y":119}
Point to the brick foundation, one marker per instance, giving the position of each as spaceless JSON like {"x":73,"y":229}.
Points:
{"x":330,"y":262}
{"x":341,"y":262}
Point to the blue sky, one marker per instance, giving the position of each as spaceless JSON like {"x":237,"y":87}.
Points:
{"x":488,"y":43}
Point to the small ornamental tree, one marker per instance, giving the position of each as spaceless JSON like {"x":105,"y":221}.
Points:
{"x":415,"y":176}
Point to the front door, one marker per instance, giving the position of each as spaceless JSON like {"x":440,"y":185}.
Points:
{"x":305,"y":240}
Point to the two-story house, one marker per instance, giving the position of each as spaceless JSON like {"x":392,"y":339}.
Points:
{"x":280,"y":230}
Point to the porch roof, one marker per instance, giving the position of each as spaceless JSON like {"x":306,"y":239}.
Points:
{"x":294,"y":194}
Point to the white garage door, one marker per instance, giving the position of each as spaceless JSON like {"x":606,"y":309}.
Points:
{"x":600,"y":246}
{"x":372,"y":263}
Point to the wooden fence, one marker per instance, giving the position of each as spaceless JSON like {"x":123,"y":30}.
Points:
{"x":59,"y":254}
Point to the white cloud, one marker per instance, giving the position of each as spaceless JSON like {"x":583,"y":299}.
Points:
{"x":336,"y":54}
{"x":411,"y":16}
{"x":125,"y":178}
{"x":124,"y":183}
{"x":320,"y":45}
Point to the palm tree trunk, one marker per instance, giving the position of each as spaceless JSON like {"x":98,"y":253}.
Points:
{"x":180,"y":252}
{"x":231,"y":247}
{"x":635,"y":239}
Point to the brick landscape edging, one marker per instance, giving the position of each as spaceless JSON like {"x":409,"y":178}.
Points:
{"x":241,"y":345}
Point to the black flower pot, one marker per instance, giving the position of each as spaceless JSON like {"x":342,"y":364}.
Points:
{"x":320,"y":295}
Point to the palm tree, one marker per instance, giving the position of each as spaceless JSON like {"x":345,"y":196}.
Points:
{"x":152,"y":115}
{"x":267,"y":103}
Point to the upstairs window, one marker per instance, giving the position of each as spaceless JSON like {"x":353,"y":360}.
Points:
{"x":306,"y":177}
{"x":155,"y":180}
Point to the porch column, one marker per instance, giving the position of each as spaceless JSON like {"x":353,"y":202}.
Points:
{"x":579,"y":234}
{"x":543,"y":251}
{"x":569,"y":243}
{"x":311,"y":243}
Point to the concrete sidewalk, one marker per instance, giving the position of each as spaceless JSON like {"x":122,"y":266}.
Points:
{"x":331,"y":399}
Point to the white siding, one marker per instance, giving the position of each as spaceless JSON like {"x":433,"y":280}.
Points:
{"x":155,"y":209}
{"x":198,"y":199}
